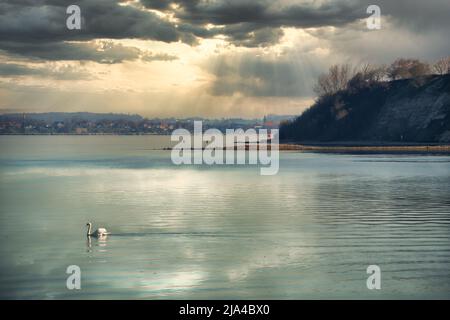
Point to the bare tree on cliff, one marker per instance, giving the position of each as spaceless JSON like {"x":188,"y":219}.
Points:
{"x":335,"y":80}
{"x":407,"y":68}
{"x":442,"y":66}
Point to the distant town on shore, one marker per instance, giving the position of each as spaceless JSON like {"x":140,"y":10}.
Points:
{"x":87,"y":123}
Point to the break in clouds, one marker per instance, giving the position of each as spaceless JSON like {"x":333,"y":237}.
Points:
{"x":194,"y":57}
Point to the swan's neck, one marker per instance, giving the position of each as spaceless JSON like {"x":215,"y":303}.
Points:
{"x":89,"y":230}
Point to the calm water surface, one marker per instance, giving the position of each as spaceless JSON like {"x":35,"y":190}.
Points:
{"x":222,"y":232}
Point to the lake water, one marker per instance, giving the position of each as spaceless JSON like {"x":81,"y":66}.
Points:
{"x":218,"y":232}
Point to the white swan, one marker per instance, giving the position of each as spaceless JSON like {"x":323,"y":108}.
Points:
{"x":100,"y":232}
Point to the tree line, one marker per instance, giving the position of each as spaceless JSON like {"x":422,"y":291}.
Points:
{"x":346,"y":77}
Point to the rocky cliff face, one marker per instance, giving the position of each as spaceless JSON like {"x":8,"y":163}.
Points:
{"x":415,"y":110}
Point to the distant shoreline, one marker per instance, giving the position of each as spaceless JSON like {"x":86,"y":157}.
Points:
{"x":344,"y":147}
{"x":419,"y":148}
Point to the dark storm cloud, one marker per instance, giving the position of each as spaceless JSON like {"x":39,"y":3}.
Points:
{"x":305,"y":15}
{"x":37,"y":29}
{"x":301,"y":13}
{"x":46,"y":21}
{"x":263,"y":12}
{"x":257,"y":23}
{"x":156,"y":4}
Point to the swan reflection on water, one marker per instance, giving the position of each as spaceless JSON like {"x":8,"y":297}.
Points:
{"x":99,"y":241}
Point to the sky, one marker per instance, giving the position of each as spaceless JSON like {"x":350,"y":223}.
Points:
{"x":208,"y":58}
